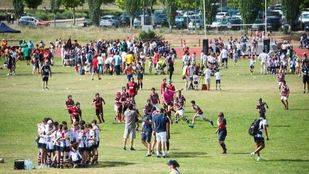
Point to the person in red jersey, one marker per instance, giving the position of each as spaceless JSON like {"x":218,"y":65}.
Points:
{"x":132,"y":87}
{"x":95,"y":69}
{"x":199,"y":113}
{"x":222,"y":132}
{"x":69,"y":103}
{"x":98,"y":103}
{"x":284,"y":92}
{"x":118,"y":107}
{"x":76,"y":113}
{"x":154,"y":98}
{"x":171,"y":86}
{"x":163,"y":85}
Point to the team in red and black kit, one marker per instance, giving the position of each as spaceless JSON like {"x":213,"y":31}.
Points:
{"x":98,"y":103}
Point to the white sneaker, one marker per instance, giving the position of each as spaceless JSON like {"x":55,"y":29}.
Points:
{"x":259,"y":159}
{"x":252,"y":154}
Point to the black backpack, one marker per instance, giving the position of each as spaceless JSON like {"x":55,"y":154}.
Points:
{"x":254,"y":128}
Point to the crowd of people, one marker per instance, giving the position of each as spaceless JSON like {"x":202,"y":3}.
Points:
{"x":59,"y":146}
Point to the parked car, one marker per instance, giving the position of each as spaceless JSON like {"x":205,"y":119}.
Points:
{"x":221,"y":15}
{"x":137,"y":22}
{"x":180,"y":22}
{"x":234,"y":21}
{"x":109,"y":21}
{"x":124,"y":19}
{"x":160,"y":19}
{"x":218,"y":22}
{"x":195,"y":23}
{"x":274,"y":23}
{"x":304,"y":19}
{"x":32,"y":21}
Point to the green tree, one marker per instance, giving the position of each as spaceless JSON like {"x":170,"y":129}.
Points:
{"x":55,"y":5}
{"x":18,"y":7}
{"x":233,"y":3}
{"x":304,"y":4}
{"x":170,"y":9}
{"x":73,"y":4}
{"x":211,"y":10}
{"x":249,"y":10}
{"x":95,"y":10}
{"x":291,"y":10}
{"x":188,"y":4}
{"x":33,"y":4}
{"x":130,"y":6}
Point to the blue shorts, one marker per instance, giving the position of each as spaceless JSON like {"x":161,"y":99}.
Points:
{"x":41,"y":145}
{"x":222,"y":135}
{"x":259,"y":140}
{"x":96,"y":145}
{"x":57,"y":148}
{"x":146,"y":136}
{"x":82,"y":149}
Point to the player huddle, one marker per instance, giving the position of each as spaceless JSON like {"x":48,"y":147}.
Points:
{"x":62,"y":146}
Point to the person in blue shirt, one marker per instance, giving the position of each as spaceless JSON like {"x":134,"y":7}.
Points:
{"x":161,"y":128}
{"x":147,"y":133}
{"x":117,"y":63}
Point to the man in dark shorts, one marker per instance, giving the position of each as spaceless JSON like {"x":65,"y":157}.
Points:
{"x":98,"y":103}
{"x":305,"y":71}
{"x":261,"y":107}
{"x":46,"y":73}
{"x":259,"y":139}
{"x":147,"y":133}
{"x":222,"y":132}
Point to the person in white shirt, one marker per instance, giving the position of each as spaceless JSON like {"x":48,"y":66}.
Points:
{"x":263,"y":57}
{"x":100,"y":63}
{"x":203,"y":60}
{"x":252,"y":64}
{"x":224,"y":57}
{"x":218,"y":79}
{"x":207,"y":74}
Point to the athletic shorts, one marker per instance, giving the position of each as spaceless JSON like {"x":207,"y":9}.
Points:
{"x":82,"y":149}
{"x":251,"y":66}
{"x":180,"y":112}
{"x":305,"y":79}
{"x":224,"y":60}
{"x":99,"y":111}
{"x":50,"y":150}
{"x":57,"y":148}
{"x":45,"y":78}
{"x":202,"y":116}
{"x":96,"y":145}
{"x":27,"y":58}
{"x":64,"y":149}
{"x":222,"y":135}
{"x":218,"y":81}
{"x":207,"y":81}
{"x":259,"y":140}
{"x":146,"y":136}
{"x":41,"y":145}
{"x":129,"y":132}
{"x":284,"y":98}
{"x":140,"y":76}
{"x":161,"y":136}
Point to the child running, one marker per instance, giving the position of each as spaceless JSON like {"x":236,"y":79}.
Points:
{"x":98,"y":103}
{"x":199,"y":113}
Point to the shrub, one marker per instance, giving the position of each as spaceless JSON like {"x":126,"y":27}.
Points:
{"x":149,"y":36}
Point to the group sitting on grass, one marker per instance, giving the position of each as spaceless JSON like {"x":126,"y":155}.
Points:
{"x":63,"y":147}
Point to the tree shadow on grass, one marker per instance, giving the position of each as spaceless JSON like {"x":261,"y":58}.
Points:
{"x":299,"y":109}
{"x":288,"y":160}
{"x":187,"y":154}
{"x":104,"y":164}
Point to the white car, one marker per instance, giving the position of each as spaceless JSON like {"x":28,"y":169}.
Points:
{"x":109,"y":21}
{"x":304,"y":17}
{"x":221,"y":15}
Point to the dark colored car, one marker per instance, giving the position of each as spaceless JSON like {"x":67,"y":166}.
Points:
{"x":274,"y":23}
{"x":234,"y":23}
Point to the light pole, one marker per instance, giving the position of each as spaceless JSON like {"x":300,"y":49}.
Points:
{"x":204,"y":11}
{"x":265,"y":17}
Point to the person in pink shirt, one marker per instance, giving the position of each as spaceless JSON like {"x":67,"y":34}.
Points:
{"x":284,"y":92}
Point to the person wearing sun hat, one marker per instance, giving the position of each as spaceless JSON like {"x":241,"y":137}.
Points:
{"x":173,"y":167}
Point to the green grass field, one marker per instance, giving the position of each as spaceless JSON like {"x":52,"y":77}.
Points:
{"x":23,"y":104}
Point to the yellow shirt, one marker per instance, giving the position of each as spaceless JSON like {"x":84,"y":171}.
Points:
{"x":129,"y":59}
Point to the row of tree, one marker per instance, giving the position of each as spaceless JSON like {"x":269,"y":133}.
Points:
{"x":249,"y":9}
